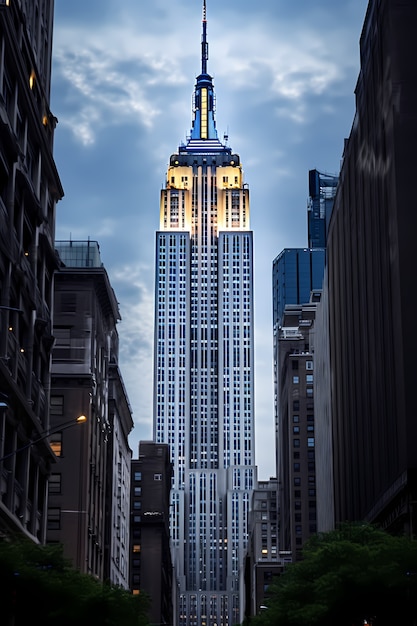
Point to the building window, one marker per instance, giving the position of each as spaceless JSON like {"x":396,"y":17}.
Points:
{"x":157,"y":476}
{"x":297,"y":481}
{"x":310,"y":442}
{"x":138,"y":476}
{"x":138,"y":491}
{"x":56,"y":443}
{"x":136,"y":548}
{"x":296,"y":419}
{"x":295,"y":380}
{"x":57,"y":405}
{"x":296,"y":429}
{"x":309,"y":365}
{"x":54,"y":483}
{"x":296,"y":443}
{"x":54,"y":518}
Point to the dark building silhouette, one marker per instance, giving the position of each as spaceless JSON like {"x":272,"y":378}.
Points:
{"x":150,"y":563}
{"x":296,"y":470}
{"x":264,"y":560}
{"x":297,"y":280}
{"x":372,"y":282}
{"x":29,"y":190}
{"x":89,"y":487}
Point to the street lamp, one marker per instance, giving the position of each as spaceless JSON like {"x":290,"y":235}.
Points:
{"x":59,"y":428}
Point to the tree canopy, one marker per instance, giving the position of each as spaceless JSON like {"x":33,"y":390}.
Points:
{"x":38,"y":585}
{"x":348,"y":577}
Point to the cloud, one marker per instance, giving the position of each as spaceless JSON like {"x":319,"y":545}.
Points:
{"x":131,"y":285}
{"x":121,"y":73}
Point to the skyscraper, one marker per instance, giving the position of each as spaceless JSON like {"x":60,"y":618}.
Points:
{"x":204,"y":363}
{"x":372,"y":283}
{"x":29,"y":191}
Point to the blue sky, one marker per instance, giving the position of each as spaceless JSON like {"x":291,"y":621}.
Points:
{"x":123,"y":77}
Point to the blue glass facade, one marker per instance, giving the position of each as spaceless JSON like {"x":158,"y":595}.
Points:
{"x":322,"y":190}
{"x":295,"y":273}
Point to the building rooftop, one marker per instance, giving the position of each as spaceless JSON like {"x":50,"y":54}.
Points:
{"x":79,"y":253}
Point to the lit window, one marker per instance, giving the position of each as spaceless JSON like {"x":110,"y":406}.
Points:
{"x":56,"y":443}
{"x":136,"y":548}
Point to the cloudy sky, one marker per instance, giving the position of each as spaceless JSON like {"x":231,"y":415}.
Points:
{"x":123,"y":77}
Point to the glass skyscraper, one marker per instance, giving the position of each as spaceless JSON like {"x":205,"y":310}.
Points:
{"x":204,"y":364}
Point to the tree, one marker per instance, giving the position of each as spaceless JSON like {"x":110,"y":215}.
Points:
{"x":347,"y":576}
{"x":37,"y":585}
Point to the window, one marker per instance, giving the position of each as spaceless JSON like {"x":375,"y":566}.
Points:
{"x":296,"y":443}
{"x":297,"y":481}
{"x":136,"y":548}
{"x":309,"y":365}
{"x":56,"y":443}
{"x":309,"y":379}
{"x":296,"y":467}
{"x":54,"y":518}
{"x":295,"y":364}
{"x":138,"y":491}
{"x":54,"y":483}
{"x":295,"y":380}
{"x":138,"y":476}
{"x":310,"y":442}
{"x":57,"y":405}
{"x":157,"y":476}
{"x":296,"y":419}
{"x":296,"y":429}
{"x":137,"y":505}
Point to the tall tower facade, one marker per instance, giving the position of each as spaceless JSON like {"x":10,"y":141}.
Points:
{"x":29,"y":191}
{"x":204,"y":364}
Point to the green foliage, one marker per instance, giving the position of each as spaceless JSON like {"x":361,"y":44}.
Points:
{"x":37,"y":585}
{"x":349,"y":575}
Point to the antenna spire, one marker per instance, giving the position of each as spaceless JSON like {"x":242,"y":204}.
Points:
{"x":204,"y":44}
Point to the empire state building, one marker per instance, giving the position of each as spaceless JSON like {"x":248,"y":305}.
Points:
{"x":204,"y":364}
